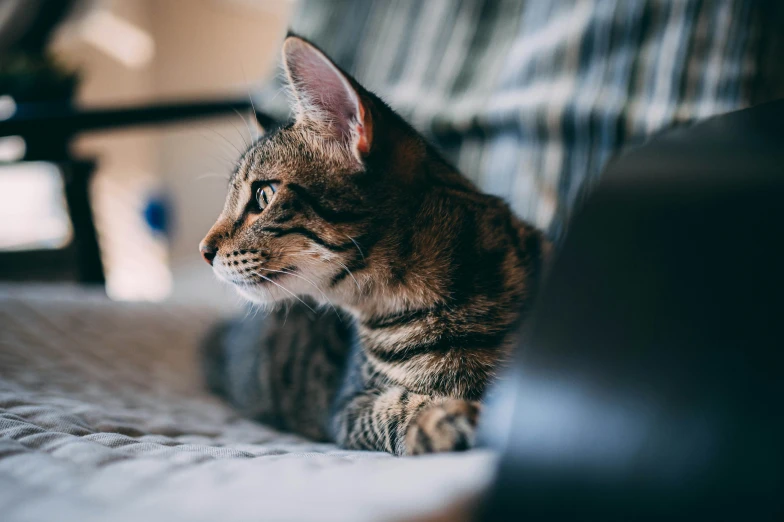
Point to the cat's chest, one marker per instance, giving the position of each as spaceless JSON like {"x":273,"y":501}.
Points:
{"x":426,"y":359}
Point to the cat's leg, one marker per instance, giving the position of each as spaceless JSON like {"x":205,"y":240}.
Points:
{"x":283,"y":369}
{"x":405,"y":423}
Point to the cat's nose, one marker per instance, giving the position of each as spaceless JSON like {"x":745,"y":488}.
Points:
{"x":208,"y":252}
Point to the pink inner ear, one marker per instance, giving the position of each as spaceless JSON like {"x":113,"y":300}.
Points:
{"x":323,"y":92}
{"x":363,"y":142}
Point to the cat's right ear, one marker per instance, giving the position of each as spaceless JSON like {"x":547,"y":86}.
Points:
{"x":324,"y":95}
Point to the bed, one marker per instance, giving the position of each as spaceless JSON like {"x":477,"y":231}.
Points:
{"x":103,"y":416}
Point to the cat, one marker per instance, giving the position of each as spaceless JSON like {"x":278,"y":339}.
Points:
{"x":425,"y":278}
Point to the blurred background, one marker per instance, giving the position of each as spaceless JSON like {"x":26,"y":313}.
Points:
{"x":120,"y":121}
{"x":530,"y":99}
{"x":155,"y":190}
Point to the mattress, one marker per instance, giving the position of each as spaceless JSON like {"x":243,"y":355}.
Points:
{"x":103,"y":415}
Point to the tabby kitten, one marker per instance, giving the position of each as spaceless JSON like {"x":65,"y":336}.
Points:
{"x":349,"y":207}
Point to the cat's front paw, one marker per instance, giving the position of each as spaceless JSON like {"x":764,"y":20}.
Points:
{"x":446,"y":426}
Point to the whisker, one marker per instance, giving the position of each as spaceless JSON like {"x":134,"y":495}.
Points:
{"x":227,"y":140}
{"x":357,"y":245}
{"x":292,"y":294}
{"x":212,"y":175}
{"x":223,"y":158}
{"x":282,"y":89}
{"x":250,"y":98}
{"x":265,"y":310}
{"x":247,"y":126}
{"x":242,"y":136}
{"x":349,"y":273}
{"x":311,"y":284}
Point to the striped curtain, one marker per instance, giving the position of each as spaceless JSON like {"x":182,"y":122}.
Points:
{"x":532,"y":98}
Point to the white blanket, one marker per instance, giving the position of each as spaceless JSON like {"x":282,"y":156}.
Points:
{"x":103,"y":417}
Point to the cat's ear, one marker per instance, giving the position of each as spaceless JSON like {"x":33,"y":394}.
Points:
{"x":326,"y":96}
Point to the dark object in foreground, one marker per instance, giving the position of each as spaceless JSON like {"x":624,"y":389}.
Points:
{"x":651,"y":384}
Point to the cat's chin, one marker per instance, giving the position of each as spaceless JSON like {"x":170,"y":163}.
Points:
{"x":256,"y":295}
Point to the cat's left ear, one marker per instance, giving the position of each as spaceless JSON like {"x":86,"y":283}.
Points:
{"x":326,"y":96}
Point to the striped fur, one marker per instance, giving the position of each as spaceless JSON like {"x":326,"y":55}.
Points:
{"x":283,"y":370}
{"x":435,"y":276}
{"x":532,"y":98}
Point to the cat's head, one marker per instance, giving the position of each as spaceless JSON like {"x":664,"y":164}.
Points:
{"x":309,"y":204}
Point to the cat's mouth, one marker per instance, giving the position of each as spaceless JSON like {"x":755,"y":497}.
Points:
{"x":263,"y":290}
{"x":261,"y":283}
{"x":252,"y":276}
{"x":260,"y":277}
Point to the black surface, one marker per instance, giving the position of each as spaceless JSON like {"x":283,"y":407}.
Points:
{"x":80,"y":260}
{"x":76,"y":177}
{"x":53,"y":265}
{"x":33,"y":23}
{"x":651,"y":384}
{"x":48,"y":127}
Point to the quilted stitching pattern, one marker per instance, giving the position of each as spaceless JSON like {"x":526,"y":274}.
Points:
{"x":103,"y":415}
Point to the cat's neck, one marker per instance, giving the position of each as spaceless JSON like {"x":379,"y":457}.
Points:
{"x":384,"y":299}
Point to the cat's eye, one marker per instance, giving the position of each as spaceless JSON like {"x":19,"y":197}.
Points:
{"x":265,"y":193}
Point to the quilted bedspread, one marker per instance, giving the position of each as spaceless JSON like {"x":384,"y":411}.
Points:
{"x":103,"y":416}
